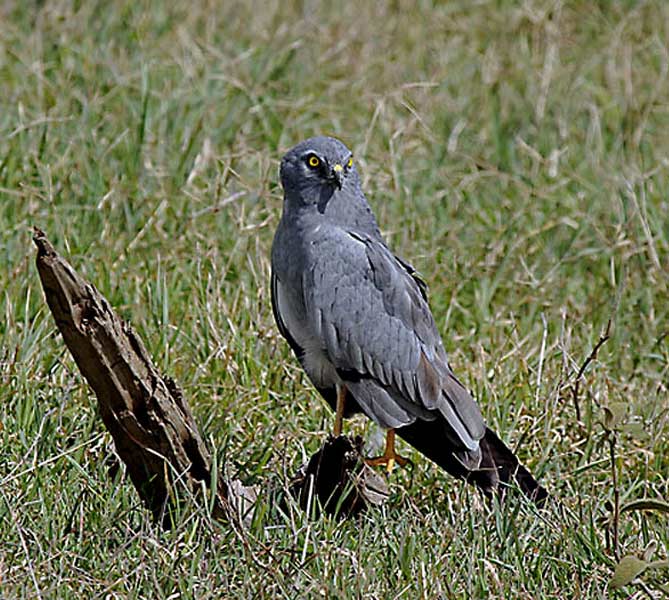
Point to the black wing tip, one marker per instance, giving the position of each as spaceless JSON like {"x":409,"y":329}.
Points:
{"x":504,"y":471}
{"x":499,"y":469}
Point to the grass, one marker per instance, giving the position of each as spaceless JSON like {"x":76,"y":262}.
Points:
{"x":516,"y":153}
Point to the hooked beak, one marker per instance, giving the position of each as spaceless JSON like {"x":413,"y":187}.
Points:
{"x":337,"y":175}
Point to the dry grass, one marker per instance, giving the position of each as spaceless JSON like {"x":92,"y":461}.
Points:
{"x":515,"y":152}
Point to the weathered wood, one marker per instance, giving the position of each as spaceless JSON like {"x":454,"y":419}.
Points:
{"x":151,"y":424}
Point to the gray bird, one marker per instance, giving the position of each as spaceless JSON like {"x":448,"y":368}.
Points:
{"x":357,"y":318}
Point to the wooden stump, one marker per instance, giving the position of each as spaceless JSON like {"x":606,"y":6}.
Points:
{"x":337,"y":480}
{"x":152,"y":426}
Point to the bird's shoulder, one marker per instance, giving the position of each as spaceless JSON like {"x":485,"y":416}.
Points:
{"x":354,"y":278}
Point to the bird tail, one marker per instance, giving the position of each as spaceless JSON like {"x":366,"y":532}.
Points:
{"x":499,"y":467}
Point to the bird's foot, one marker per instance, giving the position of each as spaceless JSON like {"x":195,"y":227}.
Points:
{"x":388,"y":459}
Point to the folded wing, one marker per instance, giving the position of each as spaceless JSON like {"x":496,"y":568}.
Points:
{"x":370,"y":312}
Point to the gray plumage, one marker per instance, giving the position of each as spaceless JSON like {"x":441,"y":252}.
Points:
{"x":356,"y":315}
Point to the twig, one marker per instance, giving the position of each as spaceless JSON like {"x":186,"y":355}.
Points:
{"x":219,"y":205}
{"x":24,"y":546}
{"x":611,"y":435}
{"x":593,"y":355}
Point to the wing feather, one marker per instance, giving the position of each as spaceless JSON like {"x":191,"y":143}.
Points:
{"x":379,"y":334}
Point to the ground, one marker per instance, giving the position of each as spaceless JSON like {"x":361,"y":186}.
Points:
{"x":515,"y":153}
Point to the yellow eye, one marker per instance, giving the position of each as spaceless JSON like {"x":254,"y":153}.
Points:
{"x":349,"y":164}
{"x":313,"y":161}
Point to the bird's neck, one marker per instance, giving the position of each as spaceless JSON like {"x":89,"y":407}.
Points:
{"x":349,"y":211}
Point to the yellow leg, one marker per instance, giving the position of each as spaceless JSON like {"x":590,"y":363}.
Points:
{"x":389,"y":457}
{"x":339,"y":414}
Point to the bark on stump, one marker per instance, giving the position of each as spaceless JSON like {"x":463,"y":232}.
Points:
{"x":339,"y":479}
{"x":152,"y":426}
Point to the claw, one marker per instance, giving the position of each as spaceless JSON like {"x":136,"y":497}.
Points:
{"x":389,"y":457}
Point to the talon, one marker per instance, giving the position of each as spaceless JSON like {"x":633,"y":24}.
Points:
{"x":389,"y":457}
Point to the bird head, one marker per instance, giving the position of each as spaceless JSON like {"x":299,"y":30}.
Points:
{"x":315,"y":169}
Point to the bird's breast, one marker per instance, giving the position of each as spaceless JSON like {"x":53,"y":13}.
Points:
{"x":304,"y":332}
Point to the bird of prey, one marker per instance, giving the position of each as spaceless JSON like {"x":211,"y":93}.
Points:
{"x":357,"y":318}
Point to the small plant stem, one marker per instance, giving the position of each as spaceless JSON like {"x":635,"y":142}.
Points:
{"x":616,"y":492}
